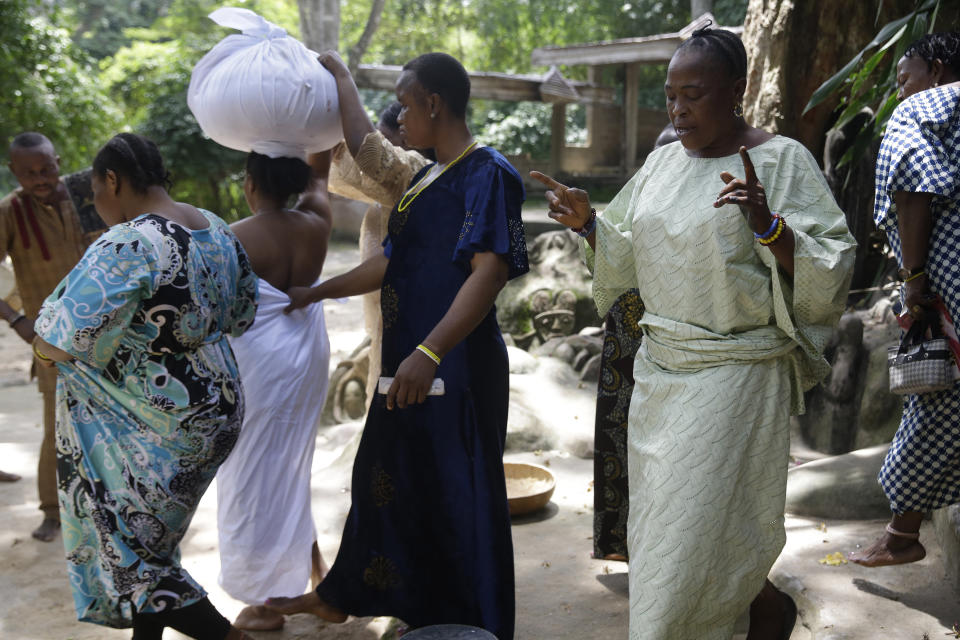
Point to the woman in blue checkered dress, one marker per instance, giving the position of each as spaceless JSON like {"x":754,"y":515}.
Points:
{"x":918,"y":206}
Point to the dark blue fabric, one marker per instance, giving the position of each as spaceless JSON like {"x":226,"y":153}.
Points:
{"x":427,"y":538}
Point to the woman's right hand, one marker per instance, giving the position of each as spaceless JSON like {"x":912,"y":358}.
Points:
{"x":334,"y":63}
{"x":568,"y":206}
{"x":917,"y":297}
{"x":300,"y":297}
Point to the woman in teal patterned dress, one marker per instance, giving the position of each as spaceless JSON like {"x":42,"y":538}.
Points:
{"x":149,"y":398}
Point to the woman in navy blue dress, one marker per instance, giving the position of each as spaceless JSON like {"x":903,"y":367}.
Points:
{"x":427,"y":539}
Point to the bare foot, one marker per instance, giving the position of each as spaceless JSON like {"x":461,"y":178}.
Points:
{"x":307,"y":603}
{"x":47,"y":530}
{"x":259,"y":618}
{"x":889,"y":550}
{"x":8,"y":477}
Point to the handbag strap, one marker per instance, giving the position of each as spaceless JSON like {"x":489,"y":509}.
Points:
{"x":915,"y":334}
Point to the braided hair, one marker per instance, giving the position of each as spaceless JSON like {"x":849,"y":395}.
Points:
{"x":134,"y":158}
{"x":443,"y":74}
{"x":725,"y":46}
{"x":944,"y":46}
{"x":278,"y":178}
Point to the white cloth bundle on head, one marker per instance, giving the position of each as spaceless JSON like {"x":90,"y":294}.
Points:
{"x":262,"y":90}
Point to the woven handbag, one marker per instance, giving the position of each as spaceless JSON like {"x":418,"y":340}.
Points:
{"x":919,"y":365}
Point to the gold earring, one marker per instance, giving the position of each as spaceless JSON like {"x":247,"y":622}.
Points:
{"x":738,"y":110}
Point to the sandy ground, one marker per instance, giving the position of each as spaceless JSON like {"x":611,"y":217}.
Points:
{"x":561,"y":592}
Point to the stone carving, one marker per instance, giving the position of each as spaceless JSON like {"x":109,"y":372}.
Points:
{"x":554,"y":299}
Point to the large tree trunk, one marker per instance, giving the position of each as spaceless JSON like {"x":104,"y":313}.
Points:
{"x":320,"y":23}
{"x":373,"y":21}
{"x":793,"y":47}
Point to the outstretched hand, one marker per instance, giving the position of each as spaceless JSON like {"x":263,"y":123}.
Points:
{"x":568,"y":206}
{"x":747,"y":193}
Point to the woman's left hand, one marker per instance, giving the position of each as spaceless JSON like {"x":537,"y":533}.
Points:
{"x":748,"y":194}
{"x":412,"y":382}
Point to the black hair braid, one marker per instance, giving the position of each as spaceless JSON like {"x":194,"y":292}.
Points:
{"x":278,"y":178}
{"x":134,"y":158}
{"x":944,"y":46}
{"x":724,"y":45}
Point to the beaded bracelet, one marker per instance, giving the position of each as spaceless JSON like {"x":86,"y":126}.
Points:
{"x":781,"y":225}
{"x":430,"y":354}
{"x":774,"y":222}
{"x":589,"y":226}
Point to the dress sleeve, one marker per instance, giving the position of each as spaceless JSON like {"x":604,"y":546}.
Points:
{"x":386,"y":168}
{"x":808,"y":307}
{"x":93,"y":306}
{"x":492,"y":220}
{"x":913,"y":156}
{"x":612,"y":264}
{"x":244,"y":304}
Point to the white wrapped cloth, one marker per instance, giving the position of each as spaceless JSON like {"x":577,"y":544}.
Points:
{"x":263,"y":489}
{"x":262,"y":90}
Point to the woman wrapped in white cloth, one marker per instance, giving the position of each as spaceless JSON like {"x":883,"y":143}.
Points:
{"x":267,"y":537}
{"x":743,"y":279}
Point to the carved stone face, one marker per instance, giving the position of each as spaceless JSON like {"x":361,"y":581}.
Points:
{"x":354,"y":399}
{"x":554,"y":314}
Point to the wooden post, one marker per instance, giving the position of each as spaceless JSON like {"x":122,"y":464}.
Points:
{"x":630,"y":116}
{"x":558,"y":136}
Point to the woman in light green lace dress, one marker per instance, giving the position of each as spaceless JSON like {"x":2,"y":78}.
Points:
{"x":740,"y":304}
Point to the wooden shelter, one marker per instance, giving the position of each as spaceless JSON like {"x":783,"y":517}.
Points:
{"x":619,"y":132}
{"x":621,"y":137}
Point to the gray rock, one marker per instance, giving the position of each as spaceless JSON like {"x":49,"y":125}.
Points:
{"x":843,"y":487}
{"x":946,"y":524}
{"x":521,"y":361}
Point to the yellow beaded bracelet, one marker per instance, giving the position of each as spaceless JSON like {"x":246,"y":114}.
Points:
{"x":781,"y":225}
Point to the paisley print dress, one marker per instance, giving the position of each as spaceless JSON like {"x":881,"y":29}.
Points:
{"x":148,"y":408}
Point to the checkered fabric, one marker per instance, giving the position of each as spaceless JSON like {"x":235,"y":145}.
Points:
{"x":921,"y":153}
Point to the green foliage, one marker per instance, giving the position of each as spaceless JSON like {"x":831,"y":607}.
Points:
{"x":47,"y":84}
{"x":146,"y":50}
{"x":871,"y":84}
{"x":151,"y":75}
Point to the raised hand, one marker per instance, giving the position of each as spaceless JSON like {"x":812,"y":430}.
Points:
{"x":748,"y":194}
{"x":568,"y":206}
{"x":334,"y":63}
